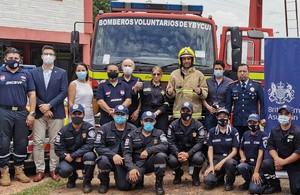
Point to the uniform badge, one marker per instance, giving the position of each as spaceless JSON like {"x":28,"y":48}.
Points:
{"x":98,"y":138}
{"x":107,"y":93}
{"x":2,"y":77}
{"x":122,"y":92}
{"x":252,"y":89}
{"x":163,"y":92}
{"x":92,"y":133}
{"x":84,"y":135}
{"x":57,"y":139}
{"x":23,"y":78}
{"x":127,"y":142}
{"x":155,"y":141}
{"x":194,"y":134}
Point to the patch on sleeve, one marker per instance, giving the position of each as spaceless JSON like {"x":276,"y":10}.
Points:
{"x":127,"y":142}
{"x":57,"y":139}
{"x":265,"y":142}
{"x":92,"y":133}
{"x":163,"y":138}
{"x":98,"y":138}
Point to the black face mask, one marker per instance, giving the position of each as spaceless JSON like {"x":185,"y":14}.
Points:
{"x":13,"y":64}
{"x":112,"y":75}
{"x":77,"y":120}
{"x":186,"y":116}
{"x":253,"y":128}
{"x":222,"y":122}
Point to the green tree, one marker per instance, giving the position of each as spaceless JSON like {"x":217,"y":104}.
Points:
{"x":100,"y":5}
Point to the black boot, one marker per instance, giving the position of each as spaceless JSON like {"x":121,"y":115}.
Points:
{"x":139,"y":185}
{"x":159,"y":186}
{"x":104,"y":183}
{"x":273,"y":186}
{"x":87,"y":187}
{"x":195,"y":176}
{"x":178,"y":174}
{"x":72,"y":180}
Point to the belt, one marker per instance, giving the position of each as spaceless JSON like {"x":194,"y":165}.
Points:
{"x":14,"y":108}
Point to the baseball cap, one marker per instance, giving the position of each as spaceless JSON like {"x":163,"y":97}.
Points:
{"x":187,"y":105}
{"x":121,"y":109}
{"x":287,"y":108}
{"x":253,"y":117}
{"x":224,"y":110}
{"x":76,"y":108}
{"x":148,"y":114}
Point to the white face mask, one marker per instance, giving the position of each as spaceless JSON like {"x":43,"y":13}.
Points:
{"x":48,"y":60}
{"x":127,"y":70}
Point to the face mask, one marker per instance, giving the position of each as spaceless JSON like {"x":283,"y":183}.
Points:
{"x":222,"y":122}
{"x":120,"y":119}
{"x":186,"y":116}
{"x":148,"y":126}
{"x":218,"y":73}
{"x":283,"y":120}
{"x":77,"y":120}
{"x":13,"y":64}
{"x":48,"y":60}
{"x":112,"y":75}
{"x":253,"y":128}
{"x":127,"y":70}
{"x":81,"y":75}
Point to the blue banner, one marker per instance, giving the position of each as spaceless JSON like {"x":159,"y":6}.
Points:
{"x":282,"y":78}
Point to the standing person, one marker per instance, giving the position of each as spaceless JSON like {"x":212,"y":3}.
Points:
{"x":109,"y":146}
{"x":223,"y":144}
{"x":217,"y":91}
{"x":284,"y":148}
{"x":153,"y":98}
{"x":74,"y":146}
{"x":145,"y":152}
{"x":111,"y":93}
{"x":80,"y":91}
{"x":246,"y":97}
{"x":51,"y":88}
{"x":186,"y":138}
{"x":187,"y":84}
{"x":128,"y":67}
{"x":16,"y":85}
{"x":252,"y":147}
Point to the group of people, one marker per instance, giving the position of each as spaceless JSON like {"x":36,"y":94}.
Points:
{"x":135,"y":136}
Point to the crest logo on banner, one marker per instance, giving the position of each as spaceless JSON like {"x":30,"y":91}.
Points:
{"x":281,"y":93}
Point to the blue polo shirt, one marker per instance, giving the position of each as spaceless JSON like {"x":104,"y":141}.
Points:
{"x":113,"y":96}
{"x":251,"y":144}
{"x":14,"y":87}
{"x":222,"y":143}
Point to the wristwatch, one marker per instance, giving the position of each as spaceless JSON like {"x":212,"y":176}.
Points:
{"x":32,"y":113}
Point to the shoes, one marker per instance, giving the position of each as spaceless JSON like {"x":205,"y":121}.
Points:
{"x":244,"y":186}
{"x":139,"y":186}
{"x":87,"y":187}
{"x":196,"y":182}
{"x":38,"y":177}
{"x":178,"y":174}
{"x":102,"y":189}
{"x":53,"y":176}
{"x":228,"y":187}
{"x":271,"y":190}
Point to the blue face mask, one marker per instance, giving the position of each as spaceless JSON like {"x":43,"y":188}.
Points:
{"x":283,"y":120}
{"x":81,"y":75}
{"x":120,"y":119}
{"x":13,"y":64}
{"x":218,"y":73}
{"x":148,"y":126}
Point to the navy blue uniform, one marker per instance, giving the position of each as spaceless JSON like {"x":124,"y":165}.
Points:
{"x":251,"y":144}
{"x":245,"y":102}
{"x":285,"y":143}
{"x":222,"y":146}
{"x":109,"y":142}
{"x":154,"y":98}
{"x":156,"y":145}
{"x":113,"y":96}
{"x":14,"y":88}
{"x":77,"y":144}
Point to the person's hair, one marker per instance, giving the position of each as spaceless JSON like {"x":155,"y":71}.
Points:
{"x":157,"y":68}
{"x":85,"y":66}
{"x":219,"y":62}
{"x":243,"y":65}
{"x":48,"y":47}
{"x":128,"y":59}
{"x":113,"y":65}
{"x":12,"y":50}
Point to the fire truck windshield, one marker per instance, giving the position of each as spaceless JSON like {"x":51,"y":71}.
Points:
{"x":152,"y":42}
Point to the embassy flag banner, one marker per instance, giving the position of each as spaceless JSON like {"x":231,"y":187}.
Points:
{"x":282,"y":78}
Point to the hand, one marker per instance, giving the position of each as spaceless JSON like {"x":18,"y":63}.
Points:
{"x":182,"y":156}
{"x":263,"y":122}
{"x":144,"y":154}
{"x":209,"y":169}
{"x":219,"y":165}
{"x":135,"y":115}
{"x":256,"y":178}
{"x":138,"y":85}
{"x":49,"y":114}
{"x":170,"y":90}
{"x":29,"y":120}
{"x":44,"y":108}
{"x":102,"y":81}
{"x":68,"y":157}
{"x":211,"y":109}
{"x":198,"y":90}
{"x":118,"y":160}
{"x":243,"y":160}
{"x":111,"y":111}
{"x":78,"y":159}
{"x":134,"y":175}
{"x":279,"y":162}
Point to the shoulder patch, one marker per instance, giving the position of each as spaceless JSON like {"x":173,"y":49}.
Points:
{"x":92,"y":133}
{"x":57,"y":139}
{"x":233,"y":82}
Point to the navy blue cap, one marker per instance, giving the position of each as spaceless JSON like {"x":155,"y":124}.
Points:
{"x":187,"y":105}
{"x":287,"y":108}
{"x":224,"y":110}
{"x":253,"y":117}
{"x":121,"y":109}
{"x":148,"y":114}
{"x":76,"y":108}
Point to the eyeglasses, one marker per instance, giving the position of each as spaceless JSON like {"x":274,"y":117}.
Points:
{"x":156,"y":74}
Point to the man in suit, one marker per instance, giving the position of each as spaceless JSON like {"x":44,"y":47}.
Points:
{"x":52,"y":86}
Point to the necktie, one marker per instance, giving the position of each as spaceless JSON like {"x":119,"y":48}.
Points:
{"x":243,"y":85}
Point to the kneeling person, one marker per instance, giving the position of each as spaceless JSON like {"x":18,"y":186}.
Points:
{"x":186,"y":138}
{"x":109,"y":146}
{"x":74,"y":147}
{"x":145,"y":152}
